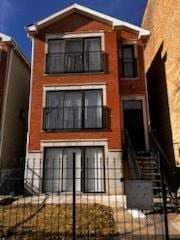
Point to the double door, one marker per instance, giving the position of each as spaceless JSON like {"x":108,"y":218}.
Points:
{"x":58,"y":169}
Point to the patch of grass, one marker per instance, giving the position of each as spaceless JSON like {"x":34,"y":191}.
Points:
{"x":55,"y":221}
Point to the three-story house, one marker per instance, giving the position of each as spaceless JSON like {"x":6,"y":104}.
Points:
{"x":87,"y":86}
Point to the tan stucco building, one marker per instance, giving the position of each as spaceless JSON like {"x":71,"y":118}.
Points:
{"x":162,"y":63}
{"x":14,"y":94}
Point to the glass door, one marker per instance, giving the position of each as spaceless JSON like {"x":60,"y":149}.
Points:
{"x":58,"y":169}
{"x":67,"y":177}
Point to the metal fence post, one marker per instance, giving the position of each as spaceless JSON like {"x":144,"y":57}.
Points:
{"x":164,"y":196}
{"x":74,"y":197}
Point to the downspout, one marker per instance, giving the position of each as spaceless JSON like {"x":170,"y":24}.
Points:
{"x":30,"y":97}
{"x":146,"y":99}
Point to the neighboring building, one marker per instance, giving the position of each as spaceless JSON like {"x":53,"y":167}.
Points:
{"x":14,"y":94}
{"x":87,"y":85}
{"x":162,"y":63}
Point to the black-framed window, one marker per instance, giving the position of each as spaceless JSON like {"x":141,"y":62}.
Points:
{"x":128,"y":61}
{"x":74,"y":55}
{"x":74,"y":110}
{"x":89,"y":169}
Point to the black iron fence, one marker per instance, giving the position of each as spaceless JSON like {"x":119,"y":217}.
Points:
{"x":75,"y":62}
{"x":61,"y":198}
{"x":76,"y":118}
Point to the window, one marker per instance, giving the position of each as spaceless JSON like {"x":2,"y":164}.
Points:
{"x":58,"y":169}
{"x":74,"y":110}
{"x":129,"y":62}
{"x":74,"y":55}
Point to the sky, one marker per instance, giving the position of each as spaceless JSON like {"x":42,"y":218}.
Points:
{"x":17,"y":14}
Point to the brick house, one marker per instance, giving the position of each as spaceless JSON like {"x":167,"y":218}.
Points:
{"x":14,"y":93}
{"x":87,"y":86}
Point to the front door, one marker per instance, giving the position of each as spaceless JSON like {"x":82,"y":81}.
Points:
{"x":134,"y":123}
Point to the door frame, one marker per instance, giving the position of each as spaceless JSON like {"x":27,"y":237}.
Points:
{"x":82,"y":174}
{"x":144,"y":111}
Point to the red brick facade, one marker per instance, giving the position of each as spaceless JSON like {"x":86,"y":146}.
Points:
{"x":115,"y":86}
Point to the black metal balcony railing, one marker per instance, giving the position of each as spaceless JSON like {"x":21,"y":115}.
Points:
{"x":74,"y":118}
{"x":129,"y":67}
{"x":76,"y":62}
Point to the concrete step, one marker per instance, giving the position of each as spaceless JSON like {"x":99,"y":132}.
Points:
{"x":146,"y":164}
{"x":150,"y":162}
{"x":146,"y":168}
{"x":151,"y":173}
{"x":143,"y":153}
{"x":146,"y":157}
{"x":157,"y":188}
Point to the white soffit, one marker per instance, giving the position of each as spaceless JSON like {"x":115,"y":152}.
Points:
{"x":9,"y":40}
{"x":88,"y":11}
{"x":5,"y":38}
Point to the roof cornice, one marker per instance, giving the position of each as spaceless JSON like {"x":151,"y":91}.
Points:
{"x":9,"y":40}
{"x":115,"y":22}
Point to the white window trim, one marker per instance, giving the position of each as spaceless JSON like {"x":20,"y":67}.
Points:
{"x":74,"y":35}
{"x":97,"y":86}
{"x":39,"y":156}
{"x":145,"y":118}
{"x":74,"y":143}
{"x":134,"y":43}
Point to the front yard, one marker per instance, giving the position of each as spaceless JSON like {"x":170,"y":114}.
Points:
{"x":45,"y":221}
{"x":50,"y":221}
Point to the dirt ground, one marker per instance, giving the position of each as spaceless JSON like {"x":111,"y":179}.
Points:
{"x":93,"y":221}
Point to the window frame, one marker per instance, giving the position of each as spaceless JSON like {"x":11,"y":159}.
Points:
{"x":82,"y":39}
{"x":83,"y":92}
{"x":81,"y":35}
{"x":134,"y":46}
{"x":83,"y":148}
{"x":145,"y":115}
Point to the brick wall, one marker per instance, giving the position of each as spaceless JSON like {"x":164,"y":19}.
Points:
{"x":80,"y":23}
{"x":162,"y":18}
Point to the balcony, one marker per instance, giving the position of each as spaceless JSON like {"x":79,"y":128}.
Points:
{"x":129,"y":67}
{"x":77,"y":62}
{"x":74,"y":118}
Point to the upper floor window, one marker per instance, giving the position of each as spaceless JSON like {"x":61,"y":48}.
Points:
{"x":129,"y":61}
{"x":74,"y":55}
{"x":74,"y":110}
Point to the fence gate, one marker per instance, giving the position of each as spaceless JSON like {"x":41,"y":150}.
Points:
{"x":97,"y":200}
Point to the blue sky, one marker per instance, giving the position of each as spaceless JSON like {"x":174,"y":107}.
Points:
{"x":16,"y":14}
